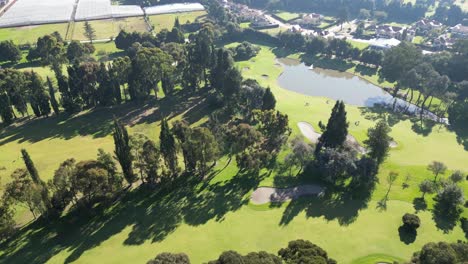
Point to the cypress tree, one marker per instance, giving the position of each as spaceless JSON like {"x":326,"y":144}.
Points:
{"x":168,"y":146}
{"x":269,"y":101}
{"x":123,"y":151}
{"x":39,"y":97}
{"x":35,"y":178}
{"x":337,"y":128}
{"x":6,"y":112}
{"x":30,"y":166}
{"x":53,"y":100}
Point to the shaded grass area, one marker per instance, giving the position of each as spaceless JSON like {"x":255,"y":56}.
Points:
{"x":377,"y":258}
{"x":166,"y":21}
{"x":29,"y":34}
{"x":205,"y":218}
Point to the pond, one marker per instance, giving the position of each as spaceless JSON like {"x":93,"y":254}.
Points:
{"x":331,"y":84}
{"x":344,"y":86}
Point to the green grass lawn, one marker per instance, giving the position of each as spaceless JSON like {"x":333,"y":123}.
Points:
{"x":357,"y":44}
{"x":29,"y":34}
{"x":166,"y":21}
{"x":418,"y":40}
{"x":206,"y":219}
{"x":110,"y":28}
{"x":287,"y":16}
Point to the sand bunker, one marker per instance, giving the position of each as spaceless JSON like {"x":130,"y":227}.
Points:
{"x":264,"y":195}
{"x":393,"y":144}
{"x":355,"y":144}
{"x":309,"y":132}
{"x":265,"y":76}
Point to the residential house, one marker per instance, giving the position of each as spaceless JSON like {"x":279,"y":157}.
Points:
{"x":389,"y":32}
{"x":459,"y":31}
{"x":427,"y":25}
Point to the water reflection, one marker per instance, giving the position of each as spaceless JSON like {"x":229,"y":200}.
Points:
{"x":337,"y":85}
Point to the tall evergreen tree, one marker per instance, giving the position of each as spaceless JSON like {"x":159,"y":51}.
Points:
{"x":35,"y":177}
{"x":30,"y":166}
{"x":39,"y":98}
{"x":89,"y":31}
{"x":6,"y":111}
{"x":337,"y":128}
{"x":379,"y":141}
{"x":269,"y":101}
{"x":123,"y":151}
{"x":53,"y":100}
{"x":106,"y":87}
{"x":168,"y":146}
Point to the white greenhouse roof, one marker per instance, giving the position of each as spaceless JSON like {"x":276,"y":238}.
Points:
{"x":174,"y":8}
{"x":126,"y":11}
{"x":34,"y":12}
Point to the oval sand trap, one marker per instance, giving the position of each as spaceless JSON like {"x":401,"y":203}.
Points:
{"x":263,"y":195}
{"x":308,"y":131}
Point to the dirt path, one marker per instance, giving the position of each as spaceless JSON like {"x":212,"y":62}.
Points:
{"x":263,"y":195}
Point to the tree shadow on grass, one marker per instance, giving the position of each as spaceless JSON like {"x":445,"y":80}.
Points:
{"x":419,"y":204}
{"x":97,"y":122}
{"x":407,"y":235}
{"x":152,"y":215}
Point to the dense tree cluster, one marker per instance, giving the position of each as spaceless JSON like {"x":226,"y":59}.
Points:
{"x":297,"y":252}
{"x":441,"y":253}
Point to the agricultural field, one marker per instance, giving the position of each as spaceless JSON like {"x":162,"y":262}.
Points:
{"x":29,"y":34}
{"x":166,"y":21}
{"x":205,"y":219}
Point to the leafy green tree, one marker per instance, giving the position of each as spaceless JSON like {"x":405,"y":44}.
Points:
{"x":203,"y":148}
{"x":336,"y":165}
{"x":53,"y":100}
{"x":399,"y":60}
{"x":437,"y":168}
{"x":24,"y":191}
{"x":123,"y":151}
{"x":269,"y":101}
{"x":89,"y":32}
{"x":15,"y":84}
{"x":151,"y":161}
{"x":114,"y":177}
{"x":411,"y":221}
{"x":168,"y":147}
{"x":39,"y":98}
{"x":448,"y":202}
{"x":106,"y":87}
{"x":441,"y":253}
{"x":91,"y":180}
{"x":378,"y":141}
{"x":426,"y":186}
{"x":274,"y":126}
{"x":77,"y":51}
{"x":9,"y":51}
{"x":50,"y":50}
{"x":7,"y":222}
{"x":303,"y":251}
{"x":457,"y":176}
{"x":61,"y":185}
{"x":337,"y":128}
{"x":170,"y":258}
{"x":302,"y":153}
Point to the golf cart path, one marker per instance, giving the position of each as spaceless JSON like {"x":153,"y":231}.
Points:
{"x":263,"y":195}
{"x":309,"y":132}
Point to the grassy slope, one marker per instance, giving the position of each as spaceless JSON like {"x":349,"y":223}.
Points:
{"x":131,"y":232}
{"x":167,"y":20}
{"x":30,"y":34}
{"x":108,"y":28}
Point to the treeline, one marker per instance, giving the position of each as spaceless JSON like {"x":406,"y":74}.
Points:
{"x":303,"y":251}
{"x":297,"y":251}
{"x":393,"y":10}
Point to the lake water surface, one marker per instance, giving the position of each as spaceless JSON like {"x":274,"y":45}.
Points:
{"x":331,"y":84}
